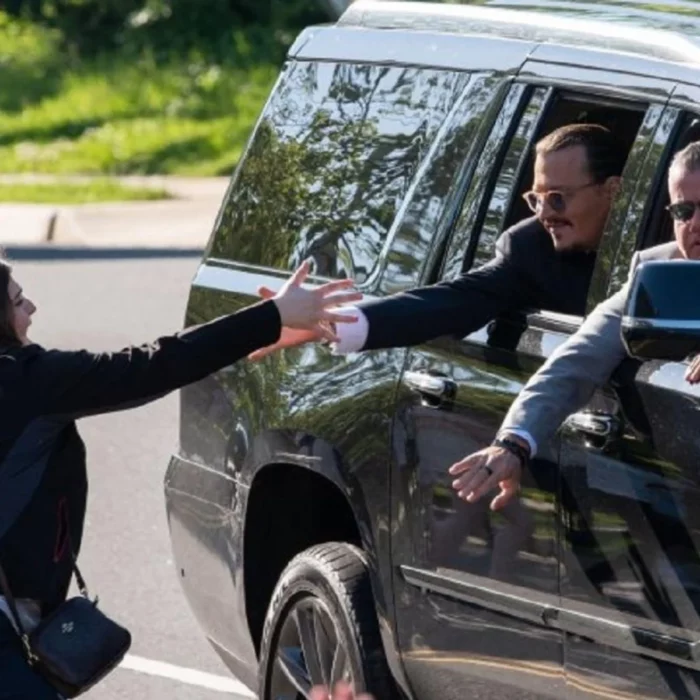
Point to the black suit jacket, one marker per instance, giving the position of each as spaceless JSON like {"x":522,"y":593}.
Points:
{"x":526,"y":273}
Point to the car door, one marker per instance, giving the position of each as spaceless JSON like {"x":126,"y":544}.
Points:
{"x":474,"y":589}
{"x":444,"y":642}
{"x":631,"y":489}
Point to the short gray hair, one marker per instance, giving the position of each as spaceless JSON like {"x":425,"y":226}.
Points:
{"x":687,"y":159}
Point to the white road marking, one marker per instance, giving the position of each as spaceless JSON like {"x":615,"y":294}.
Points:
{"x":185,"y":675}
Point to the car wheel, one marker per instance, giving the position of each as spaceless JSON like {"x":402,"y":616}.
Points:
{"x":321,"y":627}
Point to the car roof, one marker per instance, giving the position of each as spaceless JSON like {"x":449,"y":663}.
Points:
{"x":669,"y":30}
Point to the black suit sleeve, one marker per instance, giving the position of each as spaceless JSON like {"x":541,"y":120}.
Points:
{"x":82,"y":383}
{"x":457,"y":307}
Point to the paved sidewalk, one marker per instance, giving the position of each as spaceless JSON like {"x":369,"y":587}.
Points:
{"x":183,"y":222}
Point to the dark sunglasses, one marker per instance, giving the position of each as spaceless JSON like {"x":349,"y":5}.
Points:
{"x":556,"y":199}
{"x":683,"y":210}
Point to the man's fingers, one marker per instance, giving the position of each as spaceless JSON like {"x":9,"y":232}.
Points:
{"x":330,"y":317}
{"x":470,"y":478}
{"x":472,"y":485}
{"x":266,"y":292}
{"x":335,"y":286}
{"x":486,"y":485}
{"x":339,"y":299}
{"x":467,"y":463}
{"x":326,"y":333}
{"x":508,"y":492}
{"x":318,"y":692}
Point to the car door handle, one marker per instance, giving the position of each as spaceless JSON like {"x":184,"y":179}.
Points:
{"x":428,"y":384}
{"x":599,"y":425}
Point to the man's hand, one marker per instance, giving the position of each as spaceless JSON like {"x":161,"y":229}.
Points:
{"x":692,"y":374}
{"x":482,"y":471}
{"x":342,"y":691}
{"x":307,"y":315}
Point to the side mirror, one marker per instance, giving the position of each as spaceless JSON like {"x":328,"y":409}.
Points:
{"x":662,"y":314}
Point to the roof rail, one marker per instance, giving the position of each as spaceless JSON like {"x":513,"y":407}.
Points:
{"x":524,"y":25}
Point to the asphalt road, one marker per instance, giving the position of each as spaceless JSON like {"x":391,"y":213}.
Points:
{"x":102,"y":304}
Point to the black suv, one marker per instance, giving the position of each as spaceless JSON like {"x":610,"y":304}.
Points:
{"x":314,"y":528}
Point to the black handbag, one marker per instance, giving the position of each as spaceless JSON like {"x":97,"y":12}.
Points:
{"x":74,"y":647}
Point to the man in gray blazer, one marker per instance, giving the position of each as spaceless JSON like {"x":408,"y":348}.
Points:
{"x":568,"y":379}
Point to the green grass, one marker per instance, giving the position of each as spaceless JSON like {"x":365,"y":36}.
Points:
{"x":98,"y":190}
{"x":117,"y":114}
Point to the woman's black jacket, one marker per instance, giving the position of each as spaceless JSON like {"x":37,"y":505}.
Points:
{"x":43,"y":482}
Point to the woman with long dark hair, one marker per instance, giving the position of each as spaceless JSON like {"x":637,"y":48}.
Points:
{"x":43,"y":477}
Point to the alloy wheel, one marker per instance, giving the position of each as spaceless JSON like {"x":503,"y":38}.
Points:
{"x":308,"y":652}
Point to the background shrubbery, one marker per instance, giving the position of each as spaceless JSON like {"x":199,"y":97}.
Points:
{"x":138,"y":86}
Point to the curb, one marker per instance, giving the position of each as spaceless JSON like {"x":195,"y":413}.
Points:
{"x":27,"y":224}
{"x":183,"y":222}
{"x":63,"y":227}
{"x":179,"y":225}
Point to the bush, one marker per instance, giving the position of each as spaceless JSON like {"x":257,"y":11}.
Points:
{"x":28,"y":59}
{"x":114,"y":115}
{"x":93,"y":26}
{"x":174,"y":86}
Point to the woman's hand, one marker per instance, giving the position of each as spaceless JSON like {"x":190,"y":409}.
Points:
{"x":342,"y":691}
{"x":692,"y":374}
{"x":289,"y":338}
{"x":310,"y":310}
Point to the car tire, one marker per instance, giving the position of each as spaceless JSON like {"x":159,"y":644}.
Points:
{"x":323,"y":597}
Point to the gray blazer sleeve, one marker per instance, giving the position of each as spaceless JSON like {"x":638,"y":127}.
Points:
{"x":570,"y":376}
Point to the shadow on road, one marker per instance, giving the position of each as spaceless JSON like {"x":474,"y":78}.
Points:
{"x":53,"y":252}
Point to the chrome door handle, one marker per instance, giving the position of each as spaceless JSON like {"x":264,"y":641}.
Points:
{"x":600,"y":425}
{"x":428,"y":384}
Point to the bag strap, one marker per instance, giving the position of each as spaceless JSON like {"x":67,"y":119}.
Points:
{"x":24,"y":636}
{"x":11,"y":602}
{"x":5,"y":586}
{"x":82,"y":586}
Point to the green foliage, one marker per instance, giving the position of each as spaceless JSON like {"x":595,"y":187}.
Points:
{"x":118,"y":117}
{"x":117,"y":113}
{"x":28,"y":56}
{"x":138,"y":86}
{"x":92,"y":26}
{"x":101,"y":190}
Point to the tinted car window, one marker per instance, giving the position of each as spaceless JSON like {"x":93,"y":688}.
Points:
{"x":504,"y":189}
{"x":330,"y":164}
{"x":420,"y":230}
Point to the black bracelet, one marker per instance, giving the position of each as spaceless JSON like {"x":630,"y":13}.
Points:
{"x":522,"y":453}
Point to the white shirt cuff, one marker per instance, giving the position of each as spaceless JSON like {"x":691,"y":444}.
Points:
{"x":351,"y":336}
{"x":524,"y":435}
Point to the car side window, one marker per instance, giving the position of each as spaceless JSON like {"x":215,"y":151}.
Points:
{"x":647,"y":191}
{"x":330,"y":164}
{"x":417,"y":238}
{"x":504,"y":194}
{"x":462,"y":245}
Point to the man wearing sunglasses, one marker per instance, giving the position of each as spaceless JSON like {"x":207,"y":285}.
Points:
{"x":543,"y":262}
{"x":568,"y":379}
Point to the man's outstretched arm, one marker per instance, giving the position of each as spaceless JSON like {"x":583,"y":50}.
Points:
{"x":455,"y":307}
